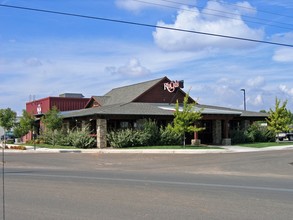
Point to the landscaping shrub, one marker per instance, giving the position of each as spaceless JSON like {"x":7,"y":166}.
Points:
{"x":254,"y":133}
{"x":124,"y":138}
{"x":238,"y":137}
{"x":64,"y":139}
{"x":82,"y":139}
{"x":77,"y":138}
{"x":52,"y":137}
{"x":169,"y":137}
{"x":257,"y":133}
{"x":149,"y":134}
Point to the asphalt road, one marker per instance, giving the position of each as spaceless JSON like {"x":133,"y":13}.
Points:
{"x":73,"y":186}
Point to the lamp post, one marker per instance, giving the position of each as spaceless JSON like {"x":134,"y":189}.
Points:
{"x":244,"y":99}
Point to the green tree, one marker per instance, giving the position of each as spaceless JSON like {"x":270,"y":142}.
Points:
{"x":291,"y":117}
{"x":186,"y":118}
{"x":7,"y":119}
{"x":26,"y":124}
{"x":279,"y":117}
{"x":52,"y":119}
{"x":53,"y":124}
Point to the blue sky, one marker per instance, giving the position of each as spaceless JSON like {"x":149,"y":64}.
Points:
{"x":45,"y":54}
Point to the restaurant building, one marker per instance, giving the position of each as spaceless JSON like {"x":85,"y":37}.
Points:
{"x":128,"y":106}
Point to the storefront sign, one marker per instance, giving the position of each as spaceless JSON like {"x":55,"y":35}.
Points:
{"x":171,"y":86}
{"x":39,"y":109}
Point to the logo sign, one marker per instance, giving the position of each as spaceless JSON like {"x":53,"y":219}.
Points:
{"x":171,"y":86}
{"x":39,"y":109}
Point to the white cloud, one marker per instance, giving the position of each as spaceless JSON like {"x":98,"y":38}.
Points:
{"x":256,"y":101}
{"x":283,"y":54}
{"x":286,"y":90}
{"x":33,"y":62}
{"x":194,"y":20}
{"x":246,"y":8}
{"x":131,"y":68}
{"x":130,"y":5}
{"x":256,"y":82}
{"x":137,"y":6}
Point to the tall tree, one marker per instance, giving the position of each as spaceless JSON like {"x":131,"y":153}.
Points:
{"x":7,"y":118}
{"x":186,"y":118}
{"x":52,"y":119}
{"x":279,"y":117}
{"x":26,"y":124}
{"x":291,"y":117}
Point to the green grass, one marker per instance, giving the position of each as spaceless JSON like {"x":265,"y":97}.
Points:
{"x":265,"y":144}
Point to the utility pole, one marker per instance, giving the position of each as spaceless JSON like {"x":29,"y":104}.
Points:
{"x":244,"y":99}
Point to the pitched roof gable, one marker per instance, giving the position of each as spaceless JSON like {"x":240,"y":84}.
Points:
{"x":129,"y":93}
{"x":96,"y":101}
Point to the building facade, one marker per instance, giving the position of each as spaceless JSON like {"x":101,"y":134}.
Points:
{"x":128,"y":106}
{"x":65,"y":102}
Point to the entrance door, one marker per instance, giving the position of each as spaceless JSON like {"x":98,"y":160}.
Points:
{"x":206,"y":136}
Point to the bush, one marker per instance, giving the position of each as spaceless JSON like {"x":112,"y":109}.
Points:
{"x":52,"y":137}
{"x":149,"y":134}
{"x":124,"y":138}
{"x":254,"y":133}
{"x":82,"y":139}
{"x":169,"y":137}
{"x":64,"y":139}
{"x":238,"y":137}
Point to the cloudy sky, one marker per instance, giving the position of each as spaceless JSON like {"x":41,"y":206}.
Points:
{"x":45,"y":54}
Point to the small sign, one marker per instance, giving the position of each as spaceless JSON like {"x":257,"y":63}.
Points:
{"x":171,"y":86}
{"x":39,"y":109}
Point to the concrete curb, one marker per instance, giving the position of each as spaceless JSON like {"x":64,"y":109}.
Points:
{"x":226,"y":149}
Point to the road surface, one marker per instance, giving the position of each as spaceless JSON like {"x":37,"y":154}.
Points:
{"x":73,"y":186}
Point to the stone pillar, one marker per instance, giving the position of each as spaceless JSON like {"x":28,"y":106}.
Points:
{"x":246,"y":124}
{"x":217,"y":132}
{"x":101,"y":133}
{"x":226,"y":140}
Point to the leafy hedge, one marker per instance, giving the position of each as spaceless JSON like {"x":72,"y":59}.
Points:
{"x":254,"y":133}
{"x":123,"y":138}
{"x":148,"y":135}
{"x":77,"y":138}
{"x":82,"y":139}
{"x":169,"y":137}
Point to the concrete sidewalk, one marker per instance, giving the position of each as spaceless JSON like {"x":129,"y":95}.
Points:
{"x":225,"y":149}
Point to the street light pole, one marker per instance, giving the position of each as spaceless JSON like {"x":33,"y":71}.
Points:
{"x":244,"y":99}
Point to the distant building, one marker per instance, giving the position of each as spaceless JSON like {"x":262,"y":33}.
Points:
{"x":65,"y":102}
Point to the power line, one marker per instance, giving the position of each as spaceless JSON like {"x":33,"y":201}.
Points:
{"x":247,"y":8}
{"x":146,"y":25}
{"x":234,"y":5}
{"x":220,"y":15}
